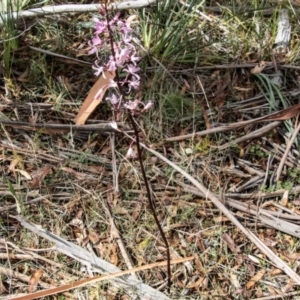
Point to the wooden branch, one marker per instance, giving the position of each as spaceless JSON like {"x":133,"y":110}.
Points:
{"x":282,"y":115}
{"x":73,"y":8}
{"x":61,"y":128}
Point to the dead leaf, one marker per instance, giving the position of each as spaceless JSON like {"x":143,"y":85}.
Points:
{"x":250,"y":269}
{"x":284,"y":114}
{"x":200,"y":243}
{"x":78,"y":231}
{"x":242,"y":89}
{"x":137,"y":208}
{"x":272,"y":291}
{"x":290,"y":240}
{"x":33,"y":281}
{"x":24,"y":76}
{"x":231,"y":244}
{"x":259,"y":67}
{"x":198,"y":283}
{"x":206,"y":118}
{"x":234,"y":280}
{"x":14,"y":163}
{"x":77,"y":222}
{"x":285,"y":198}
{"x":90,"y":103}
{"x":94,"y":236}
{"x":80,"y":176}
{"x":255,"y":279}
{"x":184,"y":87}
{"x":130,"y":19}
{"x":24,"y":173}
{"x":275,"y":271}
{"x":293,"y":256}
{"x":113,"y":254}
{"x":38,"y":176}
{"x":64,"y":81}
{"x":296,"y":202}
{"x":288,"y":286}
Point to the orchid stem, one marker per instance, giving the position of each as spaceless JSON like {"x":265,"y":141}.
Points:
{"x":139,"y":152}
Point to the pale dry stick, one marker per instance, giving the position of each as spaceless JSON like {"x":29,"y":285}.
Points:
{"x":252,"y":210}
{"x":114,"y":163}
{"x":206,"y":17}
{"x":34,"y":256}
{"x":84,"y":282}
{"x":249,"y":169}
{"x":282,"y":115}
{"x":274,"y":156}
{"x":242,"y":206}
{"x":73,"y":8}
{"x":8,"y":256}
{"x":295,"y":190}
{"x":280,"y":149}
{"x":255,"y":134}
{"x":66,"y":58}
{"x":285,"y":155}
{"x":218,"y":129}
{"x":283,"y":208}
{"x":269,"y":218}
{"x":115,"y":233}
{"x":254,"y":239}
{"x":131,"y":285}
{"x":58,"y":128}
{"x":13,"y":206}
{"x":219,"y":67}
{"x":8,"y":260}
{"x":26,"y":279}
{"x":263,"y":184}
{"x":16,"y":248}
{"x":280,"y":296}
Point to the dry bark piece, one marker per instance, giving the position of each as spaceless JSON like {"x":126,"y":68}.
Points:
{"x":90,"y":103}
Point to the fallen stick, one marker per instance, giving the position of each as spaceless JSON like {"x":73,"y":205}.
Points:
{"x":94,"y":263}
{"x":87,"y":281}
{"x":73,"y":8}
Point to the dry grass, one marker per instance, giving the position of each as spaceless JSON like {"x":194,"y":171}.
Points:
{"x":64,"y":181}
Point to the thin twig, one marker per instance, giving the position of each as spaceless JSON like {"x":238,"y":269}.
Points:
{"x":33,"y":201}
{"x":84,"y":282}
{"x":115,"y":234}
{"x":280,"y":296}
{"x":287,"y":150}
{"x":73,"y":8}
{"x":254,"y":134}
{"x":218,"y":129}
{"x":25,"y":278}
{"x":60,"y":128}
{"x":114,"y":163}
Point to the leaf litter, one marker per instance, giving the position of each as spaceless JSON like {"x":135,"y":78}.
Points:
{"x":61,"y":177}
